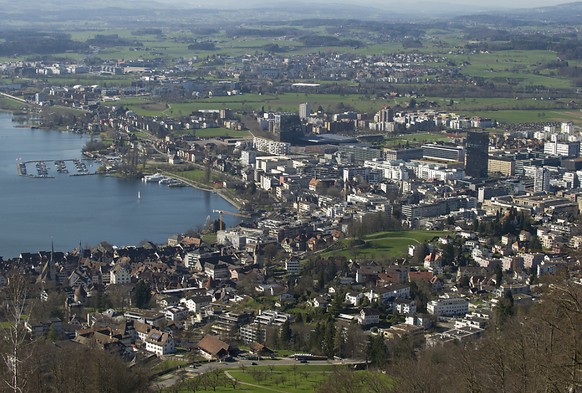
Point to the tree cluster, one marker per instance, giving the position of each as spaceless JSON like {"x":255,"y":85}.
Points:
{"x":72,"y":369}
{"x":374,"y":222}
{"x":141,"y":294}
{"x":538,"y":351}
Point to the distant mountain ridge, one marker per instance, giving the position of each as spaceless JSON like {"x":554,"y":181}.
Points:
{"x":184,"y":11}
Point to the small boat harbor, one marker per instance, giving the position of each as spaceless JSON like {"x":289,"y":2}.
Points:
{"x":48,"y":169}
{"x":164,"y":180}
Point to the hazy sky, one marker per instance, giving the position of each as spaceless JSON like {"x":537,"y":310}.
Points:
{"x":385,"y":3}
{"x":502,"y":3}
{"x":411,"y":7}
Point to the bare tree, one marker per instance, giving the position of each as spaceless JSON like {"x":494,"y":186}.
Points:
{"x":14,"y":352}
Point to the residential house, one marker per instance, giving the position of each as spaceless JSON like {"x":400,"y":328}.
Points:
{"x":260,"y":350}
{"x":176,"y":313}
{"x":369,"y":316}
{"x":217,"y":271}
{"x":319,"y":302}
{"x":433,"y":261}
{"x":423,"y":320}
{"x":119,"y":275}
{"x":160,"y":343}
{"x":142,"y":329}
{"x":196,"y":303}
{"x":383,"y":295}
{"x":212,"y":348}
{"x":41,"y":329}
{"x":354,"y":298}
{"x":368,"y":273}
{"x":405,"y":306}
{"x":403,"y":330}
{"x":148,"y":317}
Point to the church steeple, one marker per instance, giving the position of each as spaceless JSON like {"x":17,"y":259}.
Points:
{"x":48,"y":275}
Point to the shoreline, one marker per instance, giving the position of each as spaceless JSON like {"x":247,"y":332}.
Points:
{"x":202,"y":187}
{"x":12,"y":251}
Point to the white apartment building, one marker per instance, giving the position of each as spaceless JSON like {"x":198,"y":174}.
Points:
{"x":271,"y":147}
{"x":269,"y":317}
{"x":448,"y":306}
{"x":435,"y":172}
{"x":392,"y":170}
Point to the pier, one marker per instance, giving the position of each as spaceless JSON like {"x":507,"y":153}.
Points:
{"x":46,"y":169}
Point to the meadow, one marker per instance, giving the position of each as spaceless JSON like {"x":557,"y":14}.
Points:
{"x":299,"y":378}
{"x":521,"y":71}
{"x":384,"y":244}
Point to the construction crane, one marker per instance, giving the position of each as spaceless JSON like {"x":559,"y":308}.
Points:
{"x":221,"y":212}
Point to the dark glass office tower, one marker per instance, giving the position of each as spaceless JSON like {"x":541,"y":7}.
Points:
{"x":477,"y":154}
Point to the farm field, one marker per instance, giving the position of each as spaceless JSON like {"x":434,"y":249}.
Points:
{"x":289,"y":102}
{"x":526,"y":116}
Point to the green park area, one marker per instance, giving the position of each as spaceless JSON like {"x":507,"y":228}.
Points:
{"x":383,"y":244}
{"x":284,"y":379}
{"x":415,"y":139}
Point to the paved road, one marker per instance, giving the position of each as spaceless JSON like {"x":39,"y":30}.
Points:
{"x":175,"y":377}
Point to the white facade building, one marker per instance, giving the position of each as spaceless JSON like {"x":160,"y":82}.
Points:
{"x":159,"y":343}
{"x":448,"y":306}
{"x":119,"y":275}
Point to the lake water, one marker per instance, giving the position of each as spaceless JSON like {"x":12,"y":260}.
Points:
{"x":85,"y":209}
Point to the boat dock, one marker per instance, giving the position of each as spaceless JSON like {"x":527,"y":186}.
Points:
{"x":45,"y":169}
{"x":164,"y":180}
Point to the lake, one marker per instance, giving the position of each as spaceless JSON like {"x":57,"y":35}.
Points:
{"x":69,"y":210}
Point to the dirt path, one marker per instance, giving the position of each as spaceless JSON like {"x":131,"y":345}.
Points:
{"x":250,"y":384}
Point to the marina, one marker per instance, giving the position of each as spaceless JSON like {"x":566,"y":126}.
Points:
{"x":46,"y":169}
{"x":87,"y":209}
{"x":163,"y":180}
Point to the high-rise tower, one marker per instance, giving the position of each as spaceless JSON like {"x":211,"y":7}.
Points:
{"x":477,"y":154}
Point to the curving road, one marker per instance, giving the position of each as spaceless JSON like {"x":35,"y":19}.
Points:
{"x":170,"y":379}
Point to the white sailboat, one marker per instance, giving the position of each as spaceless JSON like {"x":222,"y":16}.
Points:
{"x":138,"y":195}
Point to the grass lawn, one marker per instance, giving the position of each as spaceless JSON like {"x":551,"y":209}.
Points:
{"x":258,"y":379}
{"x":288,"y":102}
{"x":220,"y":132}
{"x":416,"y":139}
{"x":524,"y":116}
{"x":169,"y":364}
{"x":386,"y":244}
{"x":209,"y":238}
{"x":10,"y":104}
{"x":290,"y":379}
{"x":197,"y":176}
{"x":286,"y":379}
